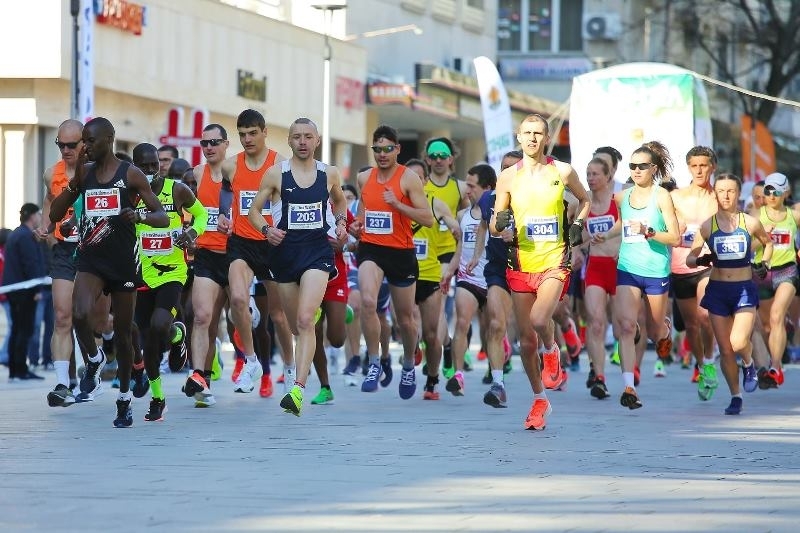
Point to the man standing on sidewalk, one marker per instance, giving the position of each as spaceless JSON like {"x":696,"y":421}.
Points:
{"x":24,"y":261}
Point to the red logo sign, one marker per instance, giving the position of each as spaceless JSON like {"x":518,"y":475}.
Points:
{"x":121,"y":14}
{"x":349,"y":93}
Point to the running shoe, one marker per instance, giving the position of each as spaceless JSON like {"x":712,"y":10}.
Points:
{"x":237,"y":369}
{"x":599,"y":389}
{"x":707,"y":383}
{"x":430,"y":393}
{"x":351,"y":370}
{"x":325,"y":397}
{"x":292,"y":402}
{"x":614,"y":357}
{"x":592,"y":377}
{"x":115,"y":382}
{"x":777,"y":375}
{"x":537,"y":417}
{"x":455,"y":384}
{"x":204,"y":400}
{"x":265,"y":390}
{"x":289,"y":376}
{"x":139,"y":383}
{"x":487,"y":377}
{"x":696,"y":373}
{"x":177,"y":352}
{"x":574,"y":364}
{"x":216,"y":363}
{"x":630,"y":399}
{"x":495,"y":396}
{"x":418,"y":354}
{"x":447,"y":355}
{"x":90,"y":381}
{"x":507,"y":368}
{"x":564,"y":377}
{"x":735,"y":406}
{"x":658,"y":369}
{"x":124,"y":414}
{"x":386,"y":369}
{"x":157,"y":409}
{"x":482,"y":355}
{"x":61,"y":396}
{"x":749,"y":378}
{"x":110,"y":370}
{"x":637,"y":376}
{"x":408,"y":383}
{"x":551,"y":372}
{"x":370,"y":383}
{"x":251,"y":373}
{"x":448,"y":372}
{"x":664,"y":346}
{"x":467,"y":362}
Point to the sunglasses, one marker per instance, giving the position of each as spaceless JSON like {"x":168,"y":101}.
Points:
{"x":436,"y":157}
{"x":71,"y":146}
{"x":211,"y":142}
{"x":389,"y":148}
{"x":640,"y":166}
{"x":769,"y":190}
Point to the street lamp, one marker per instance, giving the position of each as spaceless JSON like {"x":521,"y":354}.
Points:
{"x":327,"y":10}
{"x":74,"y":9}
{"x":386,"y":31}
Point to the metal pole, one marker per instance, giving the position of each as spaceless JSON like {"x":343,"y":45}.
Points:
{"x":753,"y":143}
{"x":326,"y":94}
{"x":75,"y":9}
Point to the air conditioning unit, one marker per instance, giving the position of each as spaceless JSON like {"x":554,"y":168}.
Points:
{"x":602,"y":26}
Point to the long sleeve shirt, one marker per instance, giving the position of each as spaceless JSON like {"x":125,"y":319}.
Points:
{"x":23,"y":257}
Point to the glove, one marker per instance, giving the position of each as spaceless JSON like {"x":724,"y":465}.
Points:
{"x":576,"y":233}
{"x":760,"y":270}
{"x":706,"y":259}
{"x":502,"y":219}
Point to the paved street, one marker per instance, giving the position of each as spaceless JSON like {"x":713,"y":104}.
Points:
{"x":376,"y":463}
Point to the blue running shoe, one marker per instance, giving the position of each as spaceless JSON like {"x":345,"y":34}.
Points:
{"x":408,"y":383}
{"x":735,"y":407}
{"x":115,"y":382}
{"x":139,"y":383}
{"x":749,"y":380}
{"x":370,"y":383}
{"x":386,"y":368}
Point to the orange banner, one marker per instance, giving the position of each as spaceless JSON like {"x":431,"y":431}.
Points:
{"x":764,"y":150}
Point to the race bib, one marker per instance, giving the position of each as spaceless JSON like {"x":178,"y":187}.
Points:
{"x":246,"y":200}
{"x":629,"y":236}
{"x":378,"y":222}
{"x":156,"y":243}
{"x":213,"y":218}
{"x":781,"y":238}
{"x":687,"y":239}
{"x":470,"y":236}
{"x":730,"y":247}
{"x":421,"y":248}
{"x":542,"y":229}
{"x":598,"y":225}
{"x":305,"y":216}
{"x":73,"y":235}
{"x":102,"y":202}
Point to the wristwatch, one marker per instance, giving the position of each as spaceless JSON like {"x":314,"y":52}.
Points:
{"x":650,"y":233}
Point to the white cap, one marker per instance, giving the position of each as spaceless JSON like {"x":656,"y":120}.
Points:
{"x":777,"y":181}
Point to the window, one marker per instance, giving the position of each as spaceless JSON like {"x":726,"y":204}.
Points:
{"x":477,"y":4}
{"x":539,"y":26}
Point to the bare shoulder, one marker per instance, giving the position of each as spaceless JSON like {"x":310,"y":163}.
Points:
{"x":48,"y":175}
{"x":279,"y":157}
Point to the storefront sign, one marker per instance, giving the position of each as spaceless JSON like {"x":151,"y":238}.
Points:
{"x":544,"y":68}
{"x":127,"y":16}
{"x":380,"y":93}
{"x":447,"y":78}
{"x":437,"y":100}
{"x":249,"y":87}
{"x":349,"y":93}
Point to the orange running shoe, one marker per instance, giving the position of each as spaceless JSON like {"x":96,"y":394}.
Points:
{"x":417,"y":356}
{"x":551,"y":373}
{"x":637,"y":376}
{"x":696,"y":374}
{"x":265,"y":391}
{"x":664,"y":346}
{"x":537,"y":417}
{"x":237,"y":369}
{"x":482,"y":355}
{"x":430,"y":394}
{"x":280,"y":379}
{"x":630,"y":399}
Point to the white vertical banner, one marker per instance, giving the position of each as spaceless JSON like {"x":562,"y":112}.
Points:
{"x":86,"y":61}
{"x":497,"y":123}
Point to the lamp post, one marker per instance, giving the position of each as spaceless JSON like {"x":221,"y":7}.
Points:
{"x":327,"y":11}
{"x":74,"y":9}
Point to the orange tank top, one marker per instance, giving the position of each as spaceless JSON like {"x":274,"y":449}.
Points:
{"x":383,"y":224}
{"x":245,"y":186}
{"x":208,"y":196}
{"x":58,"y":183}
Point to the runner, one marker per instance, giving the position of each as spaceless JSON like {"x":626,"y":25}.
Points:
{"x":107,"y":251}
{"x":530,"y":198}
{"x":392,"y":199}
{"x":731,"y":297}
{"x":166,"y":155}
{"x":649,"y":228}
{"x":163,"y":272}
{"x":302,"y":258}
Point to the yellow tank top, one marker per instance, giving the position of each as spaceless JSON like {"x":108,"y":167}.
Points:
{"x":783,"y":238}
{"x":427,"y":250}
{"x":161,"y":260}
{"x":450,"y":195}
{"x":540,"y":221}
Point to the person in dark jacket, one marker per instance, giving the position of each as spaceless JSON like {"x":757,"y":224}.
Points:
{"x":24,"y":261}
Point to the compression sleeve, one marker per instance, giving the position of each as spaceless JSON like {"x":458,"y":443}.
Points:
{"x":200,"y":215}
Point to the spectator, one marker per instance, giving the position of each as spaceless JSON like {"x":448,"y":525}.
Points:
{"x":166,"y":155}
{"x":4,"y":233}
{"x":39,"y":352}
{"x":24,"y":261}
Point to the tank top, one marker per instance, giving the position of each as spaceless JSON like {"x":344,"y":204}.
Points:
{"x":450,"y":195}
{"x":469,"y":234}
{"x":162,"y":261}
{"x":245,"y":186}
{"x":496,"y":248}
{"x":732,"y":249}
{"x":103,"y":233}
{"x":782,"y":236}
{"x":426,"y":249}
{"x":681,"y":252}
{"x":303,"y":213}
{"x":637,"y":255}
{"x":602,"y":222}
{"x":540,"y":220}
{"x":58,"y":182}
{"x":208,"y":195}
{"x":383,"y":224}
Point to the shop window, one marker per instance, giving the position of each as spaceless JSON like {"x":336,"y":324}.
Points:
{"x":539,"y":26}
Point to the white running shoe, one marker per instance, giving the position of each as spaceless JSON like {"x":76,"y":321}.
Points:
{"x":250,"y":375}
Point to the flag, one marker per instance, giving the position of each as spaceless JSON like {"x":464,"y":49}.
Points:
{"x":497,"y":123}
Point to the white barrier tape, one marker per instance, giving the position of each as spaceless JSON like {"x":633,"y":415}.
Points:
{"x":29,"y":284}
